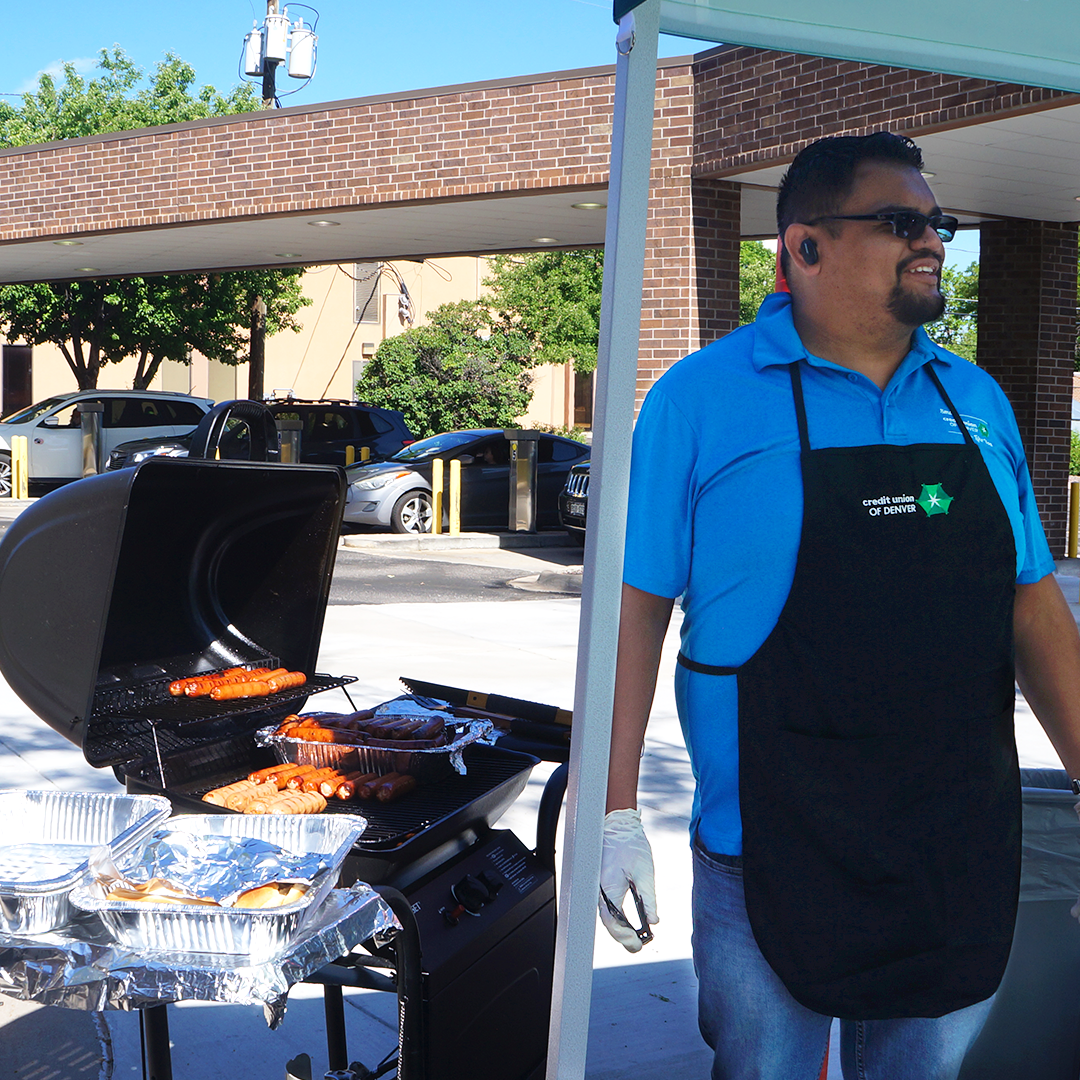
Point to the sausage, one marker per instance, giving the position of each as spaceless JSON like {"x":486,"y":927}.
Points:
{"x":347,"y":788}
{"x":285,"y":681}
{"x":312,"y":780}
{"x":294,"y":781}
{"x":233,"y":691}
{"x":367,"y":790}
{"x":217,"y":796}
{"x":393,"y":787}
{"x":431,"y":729}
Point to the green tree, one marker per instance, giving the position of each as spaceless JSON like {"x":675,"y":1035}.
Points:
{"x":463,"y":369}
{"x":115,"y":101}
{"x":97,"y":322}
{"x":757,"y":277}
{"x":957,"y":328}
{"x":553,"y":298}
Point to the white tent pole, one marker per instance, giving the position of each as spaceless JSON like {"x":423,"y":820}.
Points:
{"x":620,"y":323}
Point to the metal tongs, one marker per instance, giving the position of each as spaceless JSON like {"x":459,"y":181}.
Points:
{"x":643,"y":930}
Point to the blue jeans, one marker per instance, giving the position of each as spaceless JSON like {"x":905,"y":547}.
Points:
{"x":758,"y":1031}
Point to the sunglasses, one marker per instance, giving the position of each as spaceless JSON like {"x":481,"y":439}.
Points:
{"x":906,"y":224}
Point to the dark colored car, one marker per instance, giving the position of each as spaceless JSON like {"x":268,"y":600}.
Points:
{"x":397,"y":493}
{"x":329,"y":429}
{"x":574,"y":501}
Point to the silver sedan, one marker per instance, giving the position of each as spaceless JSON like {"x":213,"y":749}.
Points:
{"x":396,"y":493}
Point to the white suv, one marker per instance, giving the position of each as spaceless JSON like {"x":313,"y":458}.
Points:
{"x":54,"y":431}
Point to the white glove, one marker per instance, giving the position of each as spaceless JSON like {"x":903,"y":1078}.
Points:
{"x":627,"y":858}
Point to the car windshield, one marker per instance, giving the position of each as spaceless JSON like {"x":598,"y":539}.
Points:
{"x":437,"y":444}
{"x":32,"y":412}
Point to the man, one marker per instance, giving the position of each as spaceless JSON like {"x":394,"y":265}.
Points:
{"x":845,"y":510}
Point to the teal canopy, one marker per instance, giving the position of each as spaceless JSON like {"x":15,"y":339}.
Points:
{"x":1033,"y":42}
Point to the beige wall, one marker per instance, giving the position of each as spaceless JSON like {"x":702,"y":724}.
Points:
{"x":325,"y":356}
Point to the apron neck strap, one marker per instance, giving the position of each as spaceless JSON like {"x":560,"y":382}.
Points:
{"x":948,"y":401}
{"x":795,"y":370}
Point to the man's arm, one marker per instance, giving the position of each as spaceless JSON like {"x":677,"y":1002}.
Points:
{"x":642,"y":626}
{"x":1048,"y":665}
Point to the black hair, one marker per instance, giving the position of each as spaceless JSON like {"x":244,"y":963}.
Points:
{"x":822,"y":175}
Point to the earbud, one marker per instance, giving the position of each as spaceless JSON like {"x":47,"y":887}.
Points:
{"x":808,"y":250}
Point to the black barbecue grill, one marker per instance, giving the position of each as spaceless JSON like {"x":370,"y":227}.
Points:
{"x":112,"y":587}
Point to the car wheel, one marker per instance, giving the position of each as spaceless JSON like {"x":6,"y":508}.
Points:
{"x":412,"y":513}
{"x":5,"y":474}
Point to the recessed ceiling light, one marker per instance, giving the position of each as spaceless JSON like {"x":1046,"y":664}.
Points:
{"x":323,"y":224}
{"x":545,"y":240}
{"x":68,"y":243}
{"x":929,"y":175}
{"x":87,"y":269}
{"x":588,"y":206}
{"x":287,"y":255}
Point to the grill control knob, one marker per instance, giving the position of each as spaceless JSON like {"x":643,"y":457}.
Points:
{"x":493,"y":883}
{"x":472,"y":894}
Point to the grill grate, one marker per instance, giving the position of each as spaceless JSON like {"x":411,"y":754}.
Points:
{"x":151,"y":700}
{"x":143,"y":720}
{"x":455,"y":801}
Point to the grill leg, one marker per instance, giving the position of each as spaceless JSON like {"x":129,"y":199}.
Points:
{"x":334,"y":1007}
{"x":410,"y":983}
{"x":154,"y":1033}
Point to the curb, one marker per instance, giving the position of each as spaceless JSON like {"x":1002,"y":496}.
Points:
{"x":388,"y":543}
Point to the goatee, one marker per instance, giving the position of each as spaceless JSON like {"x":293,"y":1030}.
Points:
{"x":914,"y":310}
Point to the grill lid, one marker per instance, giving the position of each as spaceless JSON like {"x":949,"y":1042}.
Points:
{"x":162,"y":571}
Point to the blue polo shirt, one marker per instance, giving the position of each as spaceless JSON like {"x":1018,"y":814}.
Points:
{"x":715,"y":506}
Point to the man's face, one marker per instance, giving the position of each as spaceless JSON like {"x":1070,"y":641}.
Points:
{"x":885,"y":274}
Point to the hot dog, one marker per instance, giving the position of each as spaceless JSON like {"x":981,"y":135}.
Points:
{"x":393,"y":787}
{"x":234,"y":691}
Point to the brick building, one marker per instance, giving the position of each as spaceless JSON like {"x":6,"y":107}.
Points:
{"x":515,"y":164}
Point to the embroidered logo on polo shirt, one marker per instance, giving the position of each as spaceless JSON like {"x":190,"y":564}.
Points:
{"x":933,"y":500}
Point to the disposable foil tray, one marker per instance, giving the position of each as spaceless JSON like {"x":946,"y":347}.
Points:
{"x":47,"y":838}
{"x":259,"y":934}
{"x":427,"y":765}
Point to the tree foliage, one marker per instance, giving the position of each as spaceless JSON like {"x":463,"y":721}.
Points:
{"x":757,"y":277}
{"x":102,"y":321}
{"x":553,"y":298}
{"x":116,"y":100}
{"x":957,"y":328}
{"x":463,"y":369}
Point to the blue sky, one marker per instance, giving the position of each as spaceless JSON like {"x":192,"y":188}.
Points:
{"x":365,"y":46}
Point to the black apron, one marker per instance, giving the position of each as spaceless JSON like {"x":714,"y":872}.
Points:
{"x":878,"y":779}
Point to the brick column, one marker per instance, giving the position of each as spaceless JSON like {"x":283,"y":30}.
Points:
{"x":1027,"y":341}
{"x":690,"y":294}
{"x":717,"y":225}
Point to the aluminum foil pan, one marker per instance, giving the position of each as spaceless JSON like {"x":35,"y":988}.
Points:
{"x":426,"y":765}
{"x":259,"y":935}
{"x":47,"y":839}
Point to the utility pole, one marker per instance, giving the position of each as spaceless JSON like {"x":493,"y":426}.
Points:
{"x":265,"y":48}
{"x":270,"y":61}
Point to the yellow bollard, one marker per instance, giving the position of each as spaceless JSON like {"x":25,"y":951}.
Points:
{"x":1074,"y":515}
{"x":365,"y":453}
{"x":20,"y":466}
{"x":455,"y":498}
{"x":350,"y":455}
{"x":436,"y":494}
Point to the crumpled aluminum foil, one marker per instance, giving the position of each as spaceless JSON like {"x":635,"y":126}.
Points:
{"x":81,"y":967}
{"x":221,"y":867}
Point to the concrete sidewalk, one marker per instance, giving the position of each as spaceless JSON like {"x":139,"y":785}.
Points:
{"x":643,"y":1019}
